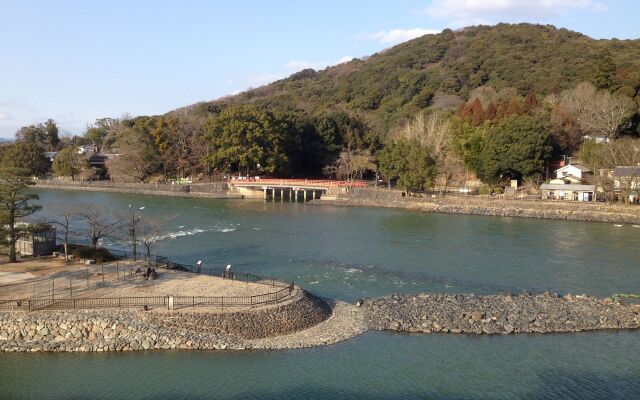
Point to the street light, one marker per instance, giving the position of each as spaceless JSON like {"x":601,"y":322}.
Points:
{"x":132,"y":231}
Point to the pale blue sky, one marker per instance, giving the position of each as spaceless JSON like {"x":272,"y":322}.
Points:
{"x":75,"y":61}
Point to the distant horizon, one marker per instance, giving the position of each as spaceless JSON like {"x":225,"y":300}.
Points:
{"x":75,"y":63}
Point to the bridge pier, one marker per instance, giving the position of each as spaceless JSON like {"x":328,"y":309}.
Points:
{"x":281,"y":192}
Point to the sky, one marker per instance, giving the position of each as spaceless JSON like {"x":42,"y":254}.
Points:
{"x":75,"y":61}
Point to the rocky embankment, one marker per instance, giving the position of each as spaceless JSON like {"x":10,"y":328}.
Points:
{"x":499,"y":314}
{"x":309,"y":321}
{"x":214,"y":190}
{"x":128,"y":330}
{"x":568,"y":211}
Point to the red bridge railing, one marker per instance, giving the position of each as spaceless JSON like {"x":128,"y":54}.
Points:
{"x":300,"y":182}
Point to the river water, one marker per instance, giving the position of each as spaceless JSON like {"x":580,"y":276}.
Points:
{"x":350,"y":253}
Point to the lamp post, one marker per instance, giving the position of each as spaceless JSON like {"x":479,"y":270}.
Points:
{"x":132,"y":230}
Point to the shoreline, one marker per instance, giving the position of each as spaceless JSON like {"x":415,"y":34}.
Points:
{"x":564,"y":211}
{"x":383,"y":198}
{"x":146,"y":190}
{"x":311,"y":322}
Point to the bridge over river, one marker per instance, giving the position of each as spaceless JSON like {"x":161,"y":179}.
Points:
{"x":288,"y":189}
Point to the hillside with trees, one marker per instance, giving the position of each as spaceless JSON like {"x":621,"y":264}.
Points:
{"x":438,"y":71}
{"x":498,"y":101}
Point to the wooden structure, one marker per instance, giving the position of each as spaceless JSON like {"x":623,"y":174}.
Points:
{"x":38,"y":243}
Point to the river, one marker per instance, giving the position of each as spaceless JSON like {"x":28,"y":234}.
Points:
{"x":350,"y":253}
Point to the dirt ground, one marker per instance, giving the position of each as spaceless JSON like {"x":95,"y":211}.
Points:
{"x":38,"y":277}
{"x":37,"y":267}
{"x":178,"y":283}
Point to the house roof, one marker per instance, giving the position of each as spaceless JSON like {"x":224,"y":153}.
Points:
{"x":579,"y":166}
{"x":623,"y":172}
{"x":568,"y":187}
{"x":50,"y":154}
{"x":569,"y":176}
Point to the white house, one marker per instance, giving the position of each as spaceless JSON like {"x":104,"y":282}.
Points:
{"x":572,"y":173}
{"x":570,"y":184}
{"x":568,"y":192}
{"x":597,"y":138}
{"x":626,"y":177}
{"x":87,"y":148}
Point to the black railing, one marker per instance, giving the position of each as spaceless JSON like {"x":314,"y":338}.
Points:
{"x":150,"y":302}
{"x":57,"y":292}
{"x":166,"y":263}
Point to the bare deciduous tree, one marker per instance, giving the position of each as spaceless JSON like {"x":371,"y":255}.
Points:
{"x":451,"y":171}
{"x":597,"y":112}
{"x":531,"y":184}
{"x":98,"y":224}
{"x":150,"y":230}
{"x":435,"y":133}
{"x":351,"y":164}
{"x":63,"y":216}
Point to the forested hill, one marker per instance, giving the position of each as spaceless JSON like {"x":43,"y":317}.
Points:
{"x":438,"y":70}
{"x":500,"y":102}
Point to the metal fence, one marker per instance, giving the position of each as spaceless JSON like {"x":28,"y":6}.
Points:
{"x":147,"y":302}
{"x":158,"y":261}
{"x":61,"y":291}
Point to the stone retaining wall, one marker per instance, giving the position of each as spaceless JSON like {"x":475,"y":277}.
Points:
{"x":500,"y":314}
{"x":214,"y":190}
{"x":597,"y":212}
{"x":126,"y":330}
{"x":308,"y":321}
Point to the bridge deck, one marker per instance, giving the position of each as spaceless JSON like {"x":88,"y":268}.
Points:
{"x":298,"y":183}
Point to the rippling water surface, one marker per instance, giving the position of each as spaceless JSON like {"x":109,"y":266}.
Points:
{"x":350,"y":253}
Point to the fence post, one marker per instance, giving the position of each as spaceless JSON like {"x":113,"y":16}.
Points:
{"x":102,"y":269}
{"x":117,"y":269}
{"x":70,"y":286}
{"x":86,"y":271}
{"x":53,"y":289}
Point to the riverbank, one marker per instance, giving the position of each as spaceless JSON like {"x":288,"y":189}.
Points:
{"x":569,"y":211}
{"x":216,"y":190}
{"x":383,"y":198}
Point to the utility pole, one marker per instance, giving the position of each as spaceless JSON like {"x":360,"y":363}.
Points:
{"x":132,"y":232}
